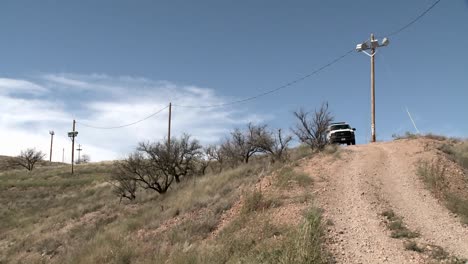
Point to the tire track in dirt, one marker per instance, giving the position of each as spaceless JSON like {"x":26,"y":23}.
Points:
{"x":368,"y":179}
{"x":410,"y":199}
{"x":347,"y":197}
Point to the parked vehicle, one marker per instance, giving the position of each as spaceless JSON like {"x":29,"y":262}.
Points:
{"x":341,"y":133}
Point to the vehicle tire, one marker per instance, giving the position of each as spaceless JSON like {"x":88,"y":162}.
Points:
{"x":353,"y":142}
{"x":348,"y":143}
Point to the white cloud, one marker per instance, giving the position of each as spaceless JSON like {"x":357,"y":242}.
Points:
{"x":62,"y":80}
{"x":14,"y":86}
{"x":112,"y":101}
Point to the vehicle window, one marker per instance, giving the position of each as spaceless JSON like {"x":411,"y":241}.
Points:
{"x":336,"y":127}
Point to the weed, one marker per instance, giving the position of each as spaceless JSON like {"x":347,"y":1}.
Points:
{"x":433,"y":174}
{"x":407,"y":135}
{"x":439,"y":254}
{"x":458,"y":205}
{"x":396,"y":225}
{"x":305,"y":246}
{"x":457,"y":152}
{"x":389,"y":214}
{"x":287,"y":175}
{"x":413,"y":246}
{"x":255,"y":202}
{"x":301,"y":152}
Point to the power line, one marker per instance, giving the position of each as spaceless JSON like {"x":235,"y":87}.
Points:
{"x":414,"y":20}
{"x":291,"y":83}
{"x":310,"y":74}
{"x":126,"y":125}
{"x":272,"y":90}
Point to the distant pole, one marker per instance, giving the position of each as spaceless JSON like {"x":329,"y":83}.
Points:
{"x":169,"y":128}
{"x":79,"y":153}
{"x":63,"y":155}
{"x":373,"y":89}
{"x":73,"y":145}
{"x":52,"y":133}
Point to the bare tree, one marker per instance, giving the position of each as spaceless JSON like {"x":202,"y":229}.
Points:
{"x":125,"y":183}
{"x":27,"y":159}
{"x":209,"y":155}
{"x":156,"y":166}
{"x":215,"y":154}
{"x":178,"y":160}
{"x":231,"y":157}
{"x":242,"y":145}
{"x":140,"y":168}
{"x":313,"y":130}
{"x":276,"y":145}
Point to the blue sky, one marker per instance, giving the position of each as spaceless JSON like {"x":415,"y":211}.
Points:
{"x":113,"y":62}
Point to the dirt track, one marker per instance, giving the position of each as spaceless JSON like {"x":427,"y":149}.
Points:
{"x":366,"y":180}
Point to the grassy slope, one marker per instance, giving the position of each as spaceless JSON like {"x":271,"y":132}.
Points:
{"x":50,"y":215}
{"x":447,"y":181}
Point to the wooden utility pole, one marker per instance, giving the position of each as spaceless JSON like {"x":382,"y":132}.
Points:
{"x":73,"y":145}
{"x":79,"y":153}
{"x":362,"y":47}
{"x":169,"y":129}
{"x":372,"y":89}
{"x":52,"y":133}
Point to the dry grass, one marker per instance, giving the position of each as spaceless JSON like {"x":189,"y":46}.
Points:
{"x":254,"y":239}
{"x":54,"y":217}
{"x":434,"y":176}
{"x":410,"y":135}
{"x":457,"y":152}
{"x":287,"y":177}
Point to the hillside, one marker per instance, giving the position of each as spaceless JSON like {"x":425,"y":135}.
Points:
{"x":377,"y":204}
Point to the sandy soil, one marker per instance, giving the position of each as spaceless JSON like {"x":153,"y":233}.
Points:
{"x":355,"y":188}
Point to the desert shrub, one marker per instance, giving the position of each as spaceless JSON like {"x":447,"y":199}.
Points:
{"x":460,"y":154}
{"x":413,"y":246}
{"x":407,"y":135}
{"x":435,"y":137}
{"x":255,"y":201}
{"x":433,"y":174}
{"x":457,"y":205}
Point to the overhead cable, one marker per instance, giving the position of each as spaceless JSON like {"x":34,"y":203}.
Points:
{"x":126,"y":125}
{"x":414,"y":20}
{"x":272,"y":90}
{"x":275,"y":89}
{"x":310,"y":74}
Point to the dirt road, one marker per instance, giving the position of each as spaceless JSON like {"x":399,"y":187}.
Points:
{"x":355,"y":188}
